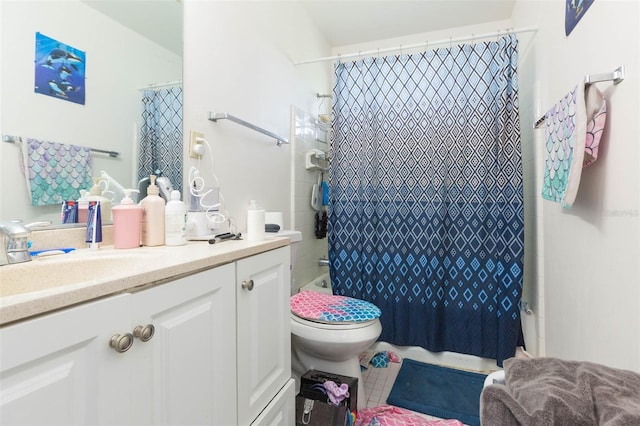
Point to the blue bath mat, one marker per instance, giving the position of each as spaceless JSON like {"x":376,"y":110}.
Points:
{"x":438,"y":391}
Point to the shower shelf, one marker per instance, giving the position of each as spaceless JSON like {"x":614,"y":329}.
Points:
{"x":319,"y":156}
{"x":215,"y":116}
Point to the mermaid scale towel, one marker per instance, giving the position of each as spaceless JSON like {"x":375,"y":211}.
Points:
{"x":572,"y":135}
{"x":55,"y":172}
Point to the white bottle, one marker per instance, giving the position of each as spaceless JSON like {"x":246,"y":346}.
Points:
{"x":175,"y":221}
{"x":255,"y":222}
{"x":95,"y":194}
{"x":152,"y":227}
{"x":83,"y":207}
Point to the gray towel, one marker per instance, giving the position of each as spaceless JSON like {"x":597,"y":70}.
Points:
{"x":550,"y":391}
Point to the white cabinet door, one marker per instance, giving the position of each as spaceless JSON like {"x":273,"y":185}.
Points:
{"x":185,"y":374}
{"x":263,"y":342}
{"x":281,"y":411}
{"x":59,"y":369}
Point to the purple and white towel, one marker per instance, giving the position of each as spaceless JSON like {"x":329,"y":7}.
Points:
{"x":55,"y":172}
{"x":596,"y":118}
{"x":573,"y":128}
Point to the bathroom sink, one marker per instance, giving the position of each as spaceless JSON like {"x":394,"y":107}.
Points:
{"x":79,"y":267}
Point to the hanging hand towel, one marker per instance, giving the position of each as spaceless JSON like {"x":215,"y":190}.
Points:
{"x":566,"y":138}
{"x":55,"y":172}
{"x":325,"y":193}
{"x":596,"y":118}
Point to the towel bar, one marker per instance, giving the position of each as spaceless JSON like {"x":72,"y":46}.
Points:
{"x":18,"y":139}
{"x":223,"y":115}
{"x":617,"y":76}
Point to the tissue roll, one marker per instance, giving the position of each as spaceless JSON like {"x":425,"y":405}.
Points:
{"x":255,"y":225}
{"x":274,"y":218}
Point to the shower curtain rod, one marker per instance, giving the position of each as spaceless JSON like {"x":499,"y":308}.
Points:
{"x":427,"y":43}
{"x":161,"y":85}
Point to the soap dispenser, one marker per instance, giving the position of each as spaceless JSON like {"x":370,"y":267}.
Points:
{"x":127,"y":220}
{"x":96,"y":195}
{"x":153,"y":206}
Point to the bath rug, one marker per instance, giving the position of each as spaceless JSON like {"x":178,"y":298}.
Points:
{"x":387,"y":415}
{"x":438,"y":391}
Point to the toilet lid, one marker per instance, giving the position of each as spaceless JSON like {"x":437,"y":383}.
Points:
{"x":327,"y":308}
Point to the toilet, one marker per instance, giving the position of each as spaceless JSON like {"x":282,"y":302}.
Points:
{"x":329,"y":332}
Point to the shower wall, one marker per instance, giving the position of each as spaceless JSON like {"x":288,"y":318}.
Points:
{"x":306,"y":135}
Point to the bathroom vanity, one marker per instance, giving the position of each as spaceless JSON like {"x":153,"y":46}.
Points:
{"x":197,"y":334}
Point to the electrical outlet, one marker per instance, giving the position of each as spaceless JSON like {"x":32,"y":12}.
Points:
{"x":194,"y":142}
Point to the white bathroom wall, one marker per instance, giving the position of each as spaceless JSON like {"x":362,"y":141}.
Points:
{"x":588,"y":271}
{"x":115,"y":71}
{"x":531,"y":169}
{"x":307,"y":136}
{"x":238,"y":58}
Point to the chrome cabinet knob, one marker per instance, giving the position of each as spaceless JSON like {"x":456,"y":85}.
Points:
{"x":247,"y":285}
{"x":144,"y":333}
{"x":121,"y":342}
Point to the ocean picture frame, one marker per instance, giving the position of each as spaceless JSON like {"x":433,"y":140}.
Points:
{"x":59,"y":70}
{"x":574,"y":11}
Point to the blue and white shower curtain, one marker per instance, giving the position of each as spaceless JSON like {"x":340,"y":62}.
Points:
{"x":161,"y":135}
{"x":426,"y":211}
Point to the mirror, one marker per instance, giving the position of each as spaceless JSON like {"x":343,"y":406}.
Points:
{"x":129,"y":46}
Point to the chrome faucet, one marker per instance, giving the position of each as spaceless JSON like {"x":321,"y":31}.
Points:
{"x":14,"y":238}
{"x":323,"y":261}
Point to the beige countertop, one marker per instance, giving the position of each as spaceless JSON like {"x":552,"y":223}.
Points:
{"x":53,"y":282}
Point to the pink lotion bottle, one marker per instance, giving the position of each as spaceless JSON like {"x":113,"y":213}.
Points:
{"x":127,"y":222}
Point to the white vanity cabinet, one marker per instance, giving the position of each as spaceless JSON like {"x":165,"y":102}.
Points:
{"x":204,"y":350}
{"x":59,"y":368}
{"x":185,"y":371}
{"x":264,"y":334}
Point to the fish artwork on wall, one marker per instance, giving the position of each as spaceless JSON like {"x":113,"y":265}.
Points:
{"x":59,"y":70}
{"x":574,"y":11}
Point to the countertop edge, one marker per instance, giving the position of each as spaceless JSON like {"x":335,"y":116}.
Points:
{"x":24,"y":306}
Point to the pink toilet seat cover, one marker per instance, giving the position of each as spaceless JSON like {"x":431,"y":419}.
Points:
{"x":322,"y":307}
